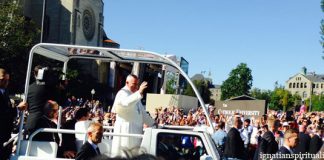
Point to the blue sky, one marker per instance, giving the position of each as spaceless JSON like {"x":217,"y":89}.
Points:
{"x":276,"y":38}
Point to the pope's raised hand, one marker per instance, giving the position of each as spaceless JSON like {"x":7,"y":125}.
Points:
{"x":142,"y":87}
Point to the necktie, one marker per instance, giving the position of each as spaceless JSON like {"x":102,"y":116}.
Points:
{"x":98,"y":151}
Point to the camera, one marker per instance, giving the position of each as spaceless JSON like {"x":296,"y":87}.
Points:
{"x":51,"y":76}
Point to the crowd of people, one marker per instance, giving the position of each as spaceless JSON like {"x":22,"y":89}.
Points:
{"x":259,"y":135}
{"x":235,"y":136}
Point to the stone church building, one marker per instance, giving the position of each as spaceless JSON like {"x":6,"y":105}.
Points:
{"x":81,"y":22}
{"x":68,"y":21}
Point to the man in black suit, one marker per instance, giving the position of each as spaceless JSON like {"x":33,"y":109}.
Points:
{"x":268,"y":144}
{"x":47,"y":121}
{"x":90,"y":149}
{"x":290,"y":142}
{"x":316,"y":141}
{"x":38,"y":94}
{"x":234,"y":145}
{"x":8,"y":114}
{"x":304,"y":140}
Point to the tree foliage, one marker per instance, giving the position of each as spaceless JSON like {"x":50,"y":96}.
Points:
{"x":282,"y":99}
{"x":238,"y":83}
{"x":317,"y":102}
{"x":171,"y":83}
{"x":261,"y":94}
{"x":202,"y":87}
{"x":17,"y":35}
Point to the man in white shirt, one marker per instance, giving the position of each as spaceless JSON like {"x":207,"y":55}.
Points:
{"x":82,"y":116}
{"x":130,"y":115}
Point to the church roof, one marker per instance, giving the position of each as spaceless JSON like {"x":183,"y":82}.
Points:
{"x":315,"y":77}
{"x":107,"y":42}
{"x":311,"y":77}
{"x":242,"y":97}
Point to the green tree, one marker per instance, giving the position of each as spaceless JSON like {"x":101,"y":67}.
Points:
{"x":261,"y":94}
{"x":202,"y":87}
{"x":317,"y":102}
{"x":17,"y":36}
{"x":282,"y":99}
{"x":171,"y":83}
{"x":238,"y":83}
{"x":296,"y":99}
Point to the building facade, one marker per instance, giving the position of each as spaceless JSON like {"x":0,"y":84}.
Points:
{"x":80,"y":22}
{"x":68,"y":21}
{"x":216,"y":93}
{"x":306,"y":84}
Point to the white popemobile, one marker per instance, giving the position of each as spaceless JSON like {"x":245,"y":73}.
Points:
{"x":152,"y":138}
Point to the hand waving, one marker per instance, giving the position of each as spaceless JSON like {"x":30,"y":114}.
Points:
{"x":142,"y":87}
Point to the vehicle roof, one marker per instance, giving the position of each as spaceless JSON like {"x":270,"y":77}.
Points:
{"x":64,"y":53}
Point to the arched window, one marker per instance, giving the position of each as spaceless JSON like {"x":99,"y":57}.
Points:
{"x":294,"y":85}
{"x":297,"y":85}
{"x":301,"y":85}
{"x":322,"y":85}
{"x":305,"y":85}
{"x":317,"y":85}
{"x":289,"y":85}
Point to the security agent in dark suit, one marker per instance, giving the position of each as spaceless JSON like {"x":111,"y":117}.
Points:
{"x":290,"y":142}
{"x":268,"y":143}
{"x":234,"y":145}
{"x":47,"y":121}
{"x":90,"y":149}
{"x":316,"y":141}
{"x":38,"y":93}
{"x":304,"y":140}
{"x":8,"y":114}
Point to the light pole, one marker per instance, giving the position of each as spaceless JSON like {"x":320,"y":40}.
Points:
{"x":310,"y":99}
{"x":92,"y":93}
{"x":43,"y":19}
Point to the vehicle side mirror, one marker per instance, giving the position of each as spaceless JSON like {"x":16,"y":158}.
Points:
{"x":206,"y":157}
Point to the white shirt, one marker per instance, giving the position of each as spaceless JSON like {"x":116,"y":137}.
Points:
{"x":81,"y":126}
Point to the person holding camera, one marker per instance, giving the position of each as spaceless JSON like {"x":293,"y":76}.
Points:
{"x":39,"y":93}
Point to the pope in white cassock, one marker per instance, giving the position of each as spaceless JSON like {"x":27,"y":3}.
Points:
{"x":130,"y":115}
